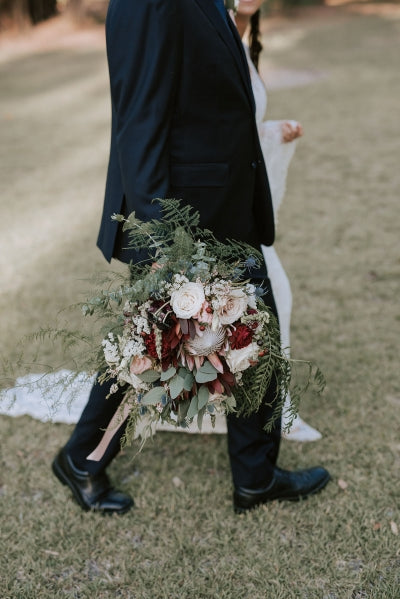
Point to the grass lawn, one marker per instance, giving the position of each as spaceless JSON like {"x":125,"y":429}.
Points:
{"x":338,"y":238}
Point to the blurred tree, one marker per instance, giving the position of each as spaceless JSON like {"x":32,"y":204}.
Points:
{"x":296,"y":3}
{"x":91,"y":10}
{"x":278,"y":5}
{"x":22,"y":12}
{"x":75,"y":7}
{"x":39,"y":10}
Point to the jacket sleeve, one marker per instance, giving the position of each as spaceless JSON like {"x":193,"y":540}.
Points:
{"x":142,"y":49}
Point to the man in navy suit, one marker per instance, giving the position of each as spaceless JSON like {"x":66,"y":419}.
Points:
{"x":183,"y":126}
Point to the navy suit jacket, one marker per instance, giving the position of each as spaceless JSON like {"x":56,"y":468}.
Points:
{"x":183,"y":122}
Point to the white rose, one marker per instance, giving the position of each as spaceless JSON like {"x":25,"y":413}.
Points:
{"x":188,"y":300}
{"x":234,"y":307}
{"x":239,"y":359}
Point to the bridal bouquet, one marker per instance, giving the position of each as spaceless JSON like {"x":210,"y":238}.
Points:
{"x":184,"y":350}
{"x":187,"y":334}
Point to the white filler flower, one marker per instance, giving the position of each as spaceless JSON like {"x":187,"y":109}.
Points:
{"x":110,"y":350}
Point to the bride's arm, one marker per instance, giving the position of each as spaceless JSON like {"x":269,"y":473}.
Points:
{"x":278,"y":142}
{"x":290,"y":131}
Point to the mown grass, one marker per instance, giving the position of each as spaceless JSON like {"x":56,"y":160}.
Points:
{"x":338,"y":238}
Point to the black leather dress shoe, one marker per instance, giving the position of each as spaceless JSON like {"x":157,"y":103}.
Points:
{"x":91,"y":492}
{"x":285,"y":485}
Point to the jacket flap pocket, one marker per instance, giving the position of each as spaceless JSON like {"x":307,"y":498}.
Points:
{"x":213,"y":174}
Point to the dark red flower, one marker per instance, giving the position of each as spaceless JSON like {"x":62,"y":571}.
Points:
{"x":241,"y":336}
{"x":167,"y":352}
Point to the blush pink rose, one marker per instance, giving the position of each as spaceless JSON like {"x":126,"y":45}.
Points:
{"x":139,"y":365}
{"x":205,"y":315}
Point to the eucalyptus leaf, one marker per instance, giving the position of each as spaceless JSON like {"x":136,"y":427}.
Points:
{"x":183,"y":407}
{"x":231,"y":402}
{"x":154,"y":396}
{"x":202,"y":377}
{"x":200,"y":417}
{"x":175,"y":386}
{"x":168,"y":374}
{"x":193,"y":408}
{"x":188,"y":382}
{"x":206,"y":373}
{"x":204,"y":395}
{"x":149,"y":376}
{"x":207,"y":367}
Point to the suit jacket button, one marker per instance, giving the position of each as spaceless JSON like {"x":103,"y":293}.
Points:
{"x":254,"y":164}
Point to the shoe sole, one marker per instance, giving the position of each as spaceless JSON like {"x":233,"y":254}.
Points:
{"x":59,"y":473}
{"x":241,"y":510}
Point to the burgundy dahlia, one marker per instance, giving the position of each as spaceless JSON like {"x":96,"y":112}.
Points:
{"x":241,"y":336}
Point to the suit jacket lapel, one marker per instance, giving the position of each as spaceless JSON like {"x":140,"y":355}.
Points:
{"x":232,"y":40}
{"x":245,"y":66}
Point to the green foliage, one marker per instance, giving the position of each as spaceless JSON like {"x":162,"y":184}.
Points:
{"x":206,"y":373}
{"x":256,"y":380}
{"x":153,"y":397}
{"x":176,"y":385}
{"x":149,"y":376}
{"x":172,"y":239}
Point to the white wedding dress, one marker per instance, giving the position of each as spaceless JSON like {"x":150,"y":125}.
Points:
{"x":61,"y":396}
{"x":277,"y":156}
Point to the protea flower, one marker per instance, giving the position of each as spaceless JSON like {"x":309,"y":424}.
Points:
{"x":209,"y":342}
